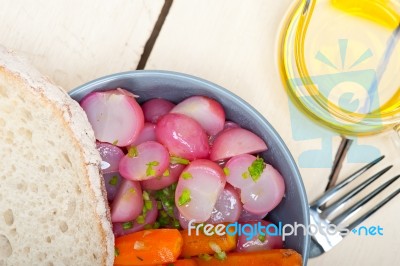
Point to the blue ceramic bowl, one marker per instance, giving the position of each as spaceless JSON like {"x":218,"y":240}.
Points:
{"x":176,"y":87}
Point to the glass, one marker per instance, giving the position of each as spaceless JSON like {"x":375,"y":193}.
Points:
{"x":340,"y":62}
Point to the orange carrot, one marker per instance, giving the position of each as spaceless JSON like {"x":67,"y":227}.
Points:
{"x":148,"y":247}
{"x":183,"y":262}
{"x":195,"y":245}
{"x":274,"y":257}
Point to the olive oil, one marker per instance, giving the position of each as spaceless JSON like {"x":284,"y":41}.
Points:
{"x":340,"y":63}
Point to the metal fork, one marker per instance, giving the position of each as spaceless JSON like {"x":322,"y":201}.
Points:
{"x":323,"y":240}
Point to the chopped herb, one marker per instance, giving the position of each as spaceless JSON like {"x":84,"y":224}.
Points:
{"x":146,"y":195}
{"x":178,"y":160}
{"x":148,"y":226}
{"x":113,"y":181}
{"x":159,"y":205}
{"x":186,"y":175}
{"x":185,"y":197}
{"x":148,"y":204}
{"x":140,"y":219}
{"x":226,"y":171}
{"x":163,"y":214}
{"x":205,"y":257}
{"x":261,"y":238}
{"x":150,"y":171}
{"x":156,"y":225}
{"x":116,"y":252}
{"x":115,"y":142}
{"x":176,"y":224}
{"x":139,"y":258}
{"x":256,"y":168}
{"x":166,"y":173}
{"x":127,"y":225}
{"x":220,"y":255}
{"x":245,"y":175}
{"x":132,"y":152}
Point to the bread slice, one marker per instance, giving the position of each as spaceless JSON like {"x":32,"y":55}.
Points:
{"x":53,"y":207}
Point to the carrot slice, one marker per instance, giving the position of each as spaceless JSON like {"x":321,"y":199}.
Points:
{"x":197,"y":244}
{"x":273,"y":257}
{"x":183,"y":262}
{"x":148,"y":247}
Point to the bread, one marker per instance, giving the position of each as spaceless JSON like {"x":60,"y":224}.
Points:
{"x":53,"y":207}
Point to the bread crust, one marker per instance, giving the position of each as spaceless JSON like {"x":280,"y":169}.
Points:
{"x":78,"y":126}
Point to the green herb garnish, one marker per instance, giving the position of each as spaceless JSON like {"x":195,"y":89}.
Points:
{"x":166,"y":173}
{"x":256,"y":168}
{"x":127,"y":225}
{"x":178,"y":160}
{"x":148,"y":204}
{"x":148,"y":226}
{"x":245,"y":175}
{"x":186,"y":175}
{"x":261,"y":238}
{"x":140,"y":219}
{"x":185,"y":197}
{"x":220,"y":255}
{"x":226,"y":171}
{"x":146,"y":195}
{"x":132,"y":152}
{"x":205,"y":257}
{"x":113,"y":181}
{"x":116,"y":252}
{"x":115,"y":142}
{"x":150,"y":171}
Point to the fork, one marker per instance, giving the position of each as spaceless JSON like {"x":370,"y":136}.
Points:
{"x":322,"y":242}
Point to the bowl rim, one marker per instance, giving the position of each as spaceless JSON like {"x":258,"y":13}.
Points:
{"x":281,"y":144}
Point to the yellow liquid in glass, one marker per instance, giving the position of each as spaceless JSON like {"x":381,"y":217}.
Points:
{"x":331,"y":63}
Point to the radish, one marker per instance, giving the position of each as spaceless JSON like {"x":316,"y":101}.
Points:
{"x":261,"y":186}
{"x":206,"y":111}
{"x":166,"y":179}
{"x":128,"y":203}
{"x":198,"y":189}
{"x":246,"y":216}
{"x":148,"y":160}
{"x":228,"y":207}
{"x":182,"y":136}
{"x":146,"y":134}
{"x":236,"y":141}
{"x":110,"y":156}
{"x":112,"y":182}
{"x":270,"y":239}
{"x":115,"y":116}
{"x":155,"y":108}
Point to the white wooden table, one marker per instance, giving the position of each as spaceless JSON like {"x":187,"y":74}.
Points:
{"x":230,"y":42}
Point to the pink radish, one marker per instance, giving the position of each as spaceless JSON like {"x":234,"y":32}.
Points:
{"x":155,"y":108}
{"x":236,"y":141}
{"x":115,"y":116}
{"x":206,"y":111}
{"x":150,"y":217}
{"x":148,"y":160}
{"x":164,"y":180}
{"x":270,"y":239}
{"x":246,"y":216}
{"x":128,"y":203}
{"x":228,"y":207}
{"x":228,"y":125}
{"x":110,"y":156}
{"x":198,"y":189}
{"x":261,"y":186}
{"x":182,"y":136}
{"x":146,"y":134}
{"x":112,"y":181}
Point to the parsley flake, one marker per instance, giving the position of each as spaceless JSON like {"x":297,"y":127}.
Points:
{"x":178,"y":160}
{"x":185,"y":197}
{"x":113,"y":181}
{"x":256,"y":168}
{"x":226,"y":171}
{"x":150,"y":170}
{"x":186,"y":175}
{"x":132,"y":152}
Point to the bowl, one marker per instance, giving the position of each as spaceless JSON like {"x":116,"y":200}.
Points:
{"x":176,"y":87}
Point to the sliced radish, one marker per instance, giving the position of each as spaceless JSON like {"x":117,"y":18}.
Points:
{"x":146,"y":134}
{"x":246,"y":216}
{"x":128,"y":203}
{"x":115,"y":116}
{"x":270,"y":239}
{"x":206,"y":111}
{"x":110,"y":156}
{"x":228,"y":207}
{"x":150,"y":217}
{"x":261,"y":186}
{"x":112,"y":181}
{"x":145,"y":161}
{"x":155,"y":108}
{"x":182,"y":136}
{"x":236,"y":141}
{"x":166,"y":179}
{"x":198,"y":189}
{"x":265,"y":194}
{"x":228,"y":125}
{"x":183,"y":222}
